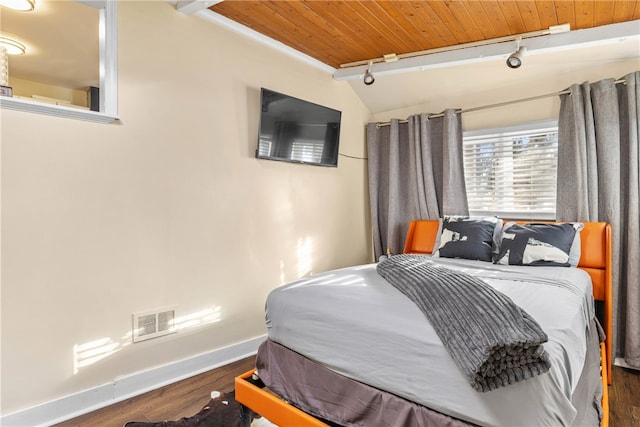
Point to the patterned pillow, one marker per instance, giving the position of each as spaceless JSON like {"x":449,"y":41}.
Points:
{"x":467,"y":238}
{"x":537,"y":244}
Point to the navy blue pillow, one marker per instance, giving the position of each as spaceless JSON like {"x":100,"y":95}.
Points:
{"x":466,"y":238}
{"x":536,"y":244}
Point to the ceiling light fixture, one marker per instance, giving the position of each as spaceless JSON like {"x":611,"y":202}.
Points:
{"x":554,"y":29}
{"x":24,"y":5}
{"x":499,"y":51}
{"x":515,"y":59}
{"x":368,"y":77}
{"x":13,"y":47}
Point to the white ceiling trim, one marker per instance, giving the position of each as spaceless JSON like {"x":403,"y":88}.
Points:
{"x":261,"y":38}
{"x":189,"y":7}
{"x":606,"y":34}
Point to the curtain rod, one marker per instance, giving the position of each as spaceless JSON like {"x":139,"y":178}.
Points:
{"x":499,"y":104}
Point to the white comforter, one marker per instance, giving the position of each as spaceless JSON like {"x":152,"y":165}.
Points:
{"x":355,"y":323}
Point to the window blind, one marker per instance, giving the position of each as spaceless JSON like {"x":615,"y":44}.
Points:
{"x":512,"y":174}
{"x":303,"y":150}
{"x":306,"y":150}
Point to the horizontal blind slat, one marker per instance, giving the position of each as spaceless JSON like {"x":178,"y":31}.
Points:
{"x":513,"y":172}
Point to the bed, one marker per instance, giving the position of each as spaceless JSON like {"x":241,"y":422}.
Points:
{"x":378,"y":371}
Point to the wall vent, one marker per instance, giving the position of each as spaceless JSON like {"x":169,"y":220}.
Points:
{"x":153,"y":324}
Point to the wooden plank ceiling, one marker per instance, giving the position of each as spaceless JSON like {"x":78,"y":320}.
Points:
{"x":339,"y":32}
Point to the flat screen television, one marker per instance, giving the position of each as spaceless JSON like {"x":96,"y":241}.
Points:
{"x":298,"y":131}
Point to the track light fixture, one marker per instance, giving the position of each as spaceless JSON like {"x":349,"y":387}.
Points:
{"x":368,"y":77}
{"x":515,"y":59}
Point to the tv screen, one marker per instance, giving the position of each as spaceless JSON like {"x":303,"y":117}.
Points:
{"x":293,"y":130}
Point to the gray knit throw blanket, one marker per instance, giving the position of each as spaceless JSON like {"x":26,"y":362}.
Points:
{"x":492,"y":340}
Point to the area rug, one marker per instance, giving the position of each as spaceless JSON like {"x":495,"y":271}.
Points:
{"x":222,"y":411}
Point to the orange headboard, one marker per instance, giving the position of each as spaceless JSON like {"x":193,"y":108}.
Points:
{"x":595,"y":259}
{"x":421,"y":236}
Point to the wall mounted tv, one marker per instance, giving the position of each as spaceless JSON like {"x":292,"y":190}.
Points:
{"x":294,"y":130}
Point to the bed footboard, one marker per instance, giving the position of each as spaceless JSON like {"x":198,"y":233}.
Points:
{"x":249,"y":393}
{"x":605,"y":385}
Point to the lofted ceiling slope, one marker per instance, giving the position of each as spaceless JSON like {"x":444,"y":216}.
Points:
{"x":341,"y":32}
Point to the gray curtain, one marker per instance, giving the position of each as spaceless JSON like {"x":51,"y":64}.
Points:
{"x":415,"y":172}
{"x":598,"y":167}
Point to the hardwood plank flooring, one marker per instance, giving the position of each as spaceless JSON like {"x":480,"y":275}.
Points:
{"x":185,"y":398}
{"x":181,"y":399}
{"x":624,"y":398}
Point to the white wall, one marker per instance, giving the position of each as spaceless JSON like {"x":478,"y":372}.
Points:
{"x":168,"y":207}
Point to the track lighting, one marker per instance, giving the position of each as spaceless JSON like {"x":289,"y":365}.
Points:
{"x":368,"y":77}
{"x":515,"y":59}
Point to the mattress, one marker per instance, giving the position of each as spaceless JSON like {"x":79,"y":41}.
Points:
{"x":352,"y":322}
{"x":340,"y":401}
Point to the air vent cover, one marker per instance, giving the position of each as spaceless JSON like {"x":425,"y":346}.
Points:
{"x":153,"y":324}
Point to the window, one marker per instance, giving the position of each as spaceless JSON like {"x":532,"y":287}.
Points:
{"x":46,"y":81}
{"x":511,"y":172}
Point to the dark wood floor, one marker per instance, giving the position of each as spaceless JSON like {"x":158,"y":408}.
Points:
{"x":624,"y":398}
{"x":187,"y":397}
{"x":172,"y":402}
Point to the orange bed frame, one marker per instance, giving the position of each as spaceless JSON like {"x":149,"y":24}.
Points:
{"x":595,"y":259}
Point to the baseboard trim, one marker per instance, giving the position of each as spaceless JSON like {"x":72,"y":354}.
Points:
{"x":83,"y":402}
{"x":619,"y":361}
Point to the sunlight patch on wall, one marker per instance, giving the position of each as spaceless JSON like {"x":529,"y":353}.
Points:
{"x":283,"y":277}
{"x":89,"y":353}
{"x":303,"y":262}
{"x":199,"y":318}
{"x":92,"y":352}
{"x":304,"y":256}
